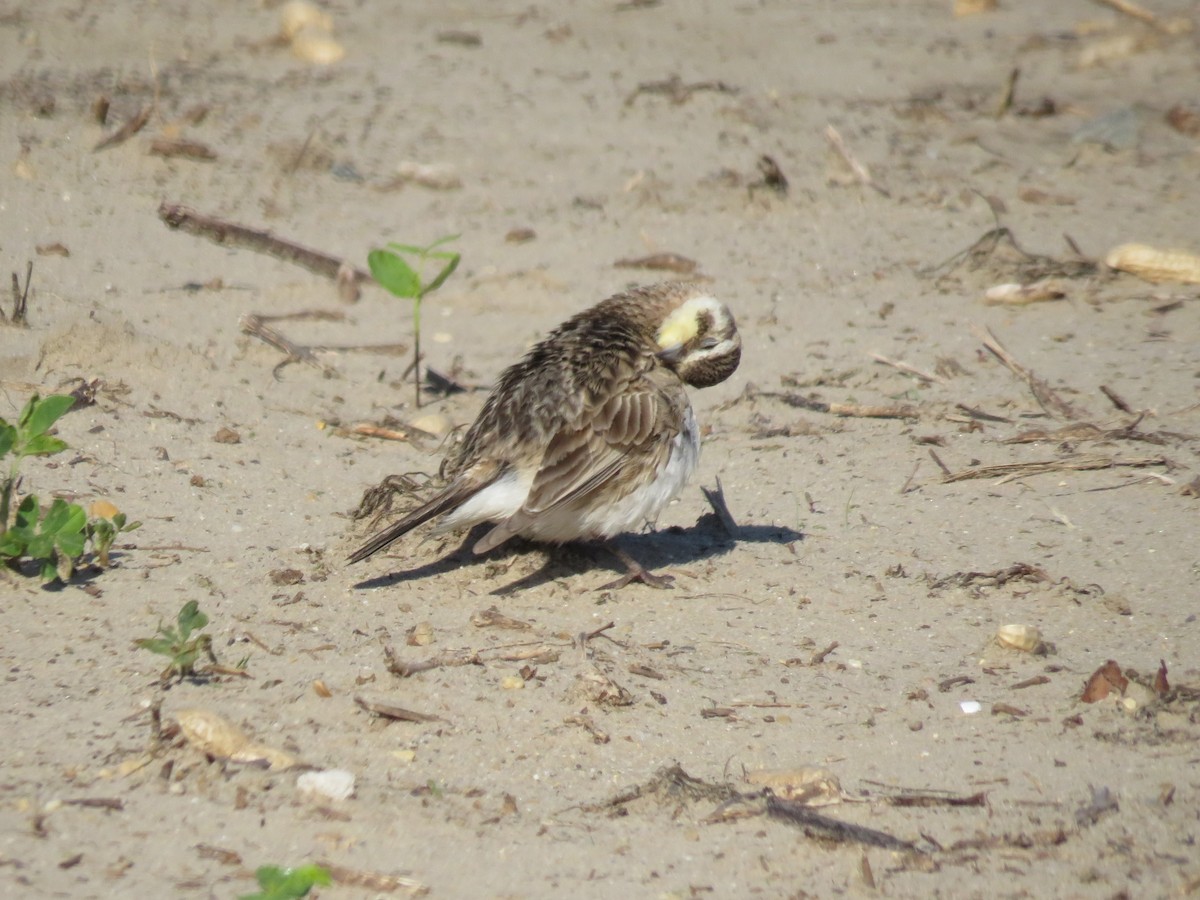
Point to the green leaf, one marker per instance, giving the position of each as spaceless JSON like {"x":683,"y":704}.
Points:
{"x":12,"y":544}
{"x":190,"y":619}
{"x":157,"y":645}
{"x":394,"y":273}
{"x":439,"y":242}
{"x":60,"y":515}
{"x":26,"y":412}
{"x":446,"y":272}
{"x":410,"y":249}
{"x":287,"y":884}
{"x":8,"y":437}
{"x":41,"y":546}
{"x":42,"y":445}
{"x":27,"y":512}
{"x":45,"y":413}
{"x":71,"y":543}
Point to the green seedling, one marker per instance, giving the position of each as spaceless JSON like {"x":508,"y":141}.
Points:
{"x":53,"y":540}
{"x":102,"y":531}
{"x":177,"y":644}
{"x":287,"y":884}
{"x":390,"y":268}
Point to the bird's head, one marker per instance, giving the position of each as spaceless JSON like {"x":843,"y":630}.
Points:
{"x":700,"y":341}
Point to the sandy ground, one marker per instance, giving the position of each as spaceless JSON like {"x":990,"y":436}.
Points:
{"x":847,"y":531}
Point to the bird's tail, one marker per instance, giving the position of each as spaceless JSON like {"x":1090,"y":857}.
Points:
{"x":454,"y":494}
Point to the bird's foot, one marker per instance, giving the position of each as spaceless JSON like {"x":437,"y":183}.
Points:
{"x":635,"y":571}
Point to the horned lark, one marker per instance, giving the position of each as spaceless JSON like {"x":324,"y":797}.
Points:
{"x":591,"y":434}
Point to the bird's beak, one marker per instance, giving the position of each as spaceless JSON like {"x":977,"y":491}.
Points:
{"x":671,"y":354}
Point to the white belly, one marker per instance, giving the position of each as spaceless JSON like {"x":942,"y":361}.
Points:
{"x":631,"y":512}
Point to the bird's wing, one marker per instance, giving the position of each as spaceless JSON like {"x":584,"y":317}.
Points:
{"x":630,"y":431}
{"x":615,"y":441}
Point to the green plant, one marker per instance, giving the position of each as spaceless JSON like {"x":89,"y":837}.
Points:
{"x":287,"y":884}
{"x":103,"y":527}
{"x":176,"y":642}
{"x":390,"y":268}
{"x":54,"y":539}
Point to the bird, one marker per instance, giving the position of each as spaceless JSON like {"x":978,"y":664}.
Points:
{"x":591,"y":433}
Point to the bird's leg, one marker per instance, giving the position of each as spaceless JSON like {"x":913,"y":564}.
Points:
{"x":635,"y":571}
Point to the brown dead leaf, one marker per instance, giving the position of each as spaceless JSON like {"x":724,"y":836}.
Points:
{"x":1161,"y":686}
{"x":1105,"y":680}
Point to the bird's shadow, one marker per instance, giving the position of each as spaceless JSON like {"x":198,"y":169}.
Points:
{"x":658,"y":550}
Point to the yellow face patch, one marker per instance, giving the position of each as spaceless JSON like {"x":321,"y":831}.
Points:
{"x":680,"y":326}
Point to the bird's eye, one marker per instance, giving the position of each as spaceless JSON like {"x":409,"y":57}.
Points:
{"x":708,"y":343}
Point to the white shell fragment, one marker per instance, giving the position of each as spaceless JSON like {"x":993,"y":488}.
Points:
{"x":332,"y":784}
{"x":298,"y":15}
{"x":1154,"y":265}
{"x":1019,"y":637}
{"x":970,"y":707}
{"x":218,"y":737}
{"x":1021,"y":294}
{"x":317,"y":47}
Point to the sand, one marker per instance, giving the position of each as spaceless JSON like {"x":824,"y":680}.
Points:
{"x":565,"y":138}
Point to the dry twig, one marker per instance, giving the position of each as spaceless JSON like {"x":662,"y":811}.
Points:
{"x":1012,"y":471}
{"x":255,"y":325}
{"x":854,"y":410}
{"x":391,"y":711}
{"x":861,"y":172}
{"x":231,"y":234}
{"x":907,"y":369}
{"x":128,"y":130}
{"x":1045,"y":395}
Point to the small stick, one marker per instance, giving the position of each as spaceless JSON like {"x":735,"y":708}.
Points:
{"x":1010,"y":93}
{"x":1031,"y":682}
{"x":937,"y":459}
{"x":860,"y":171}
{"x":231,"y":234}
{"x":599,"y":735}
{"x":128,"y":130}
{"x":819,"y":657}
{"x":256,"y":325}
{"x":184,"y":148}
{"x":493,"y":618}
{"x":1045,"y":395}
{"x":906,"y":487}
{"x":678,"y":91}
{"x":535,"y":655}
{"x":20,"y":297}
{"x":585,"y":636}
{"x":982,"y":416}
{"x":645,"y":672}
{"x":1079,"y":464}
{"x":391,"y":711}
{"x":716,"y":499}
{"x":846,"y":409}
{"x":98,"y":803}
{"x":397,"y":666}
{"x":1116,"y":399}
{"x":366,"y":429}
{"x":1129,"y":8}
{"x":373,"y":881}
{"x":906,"y":368}
{"x":669,"y":262}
